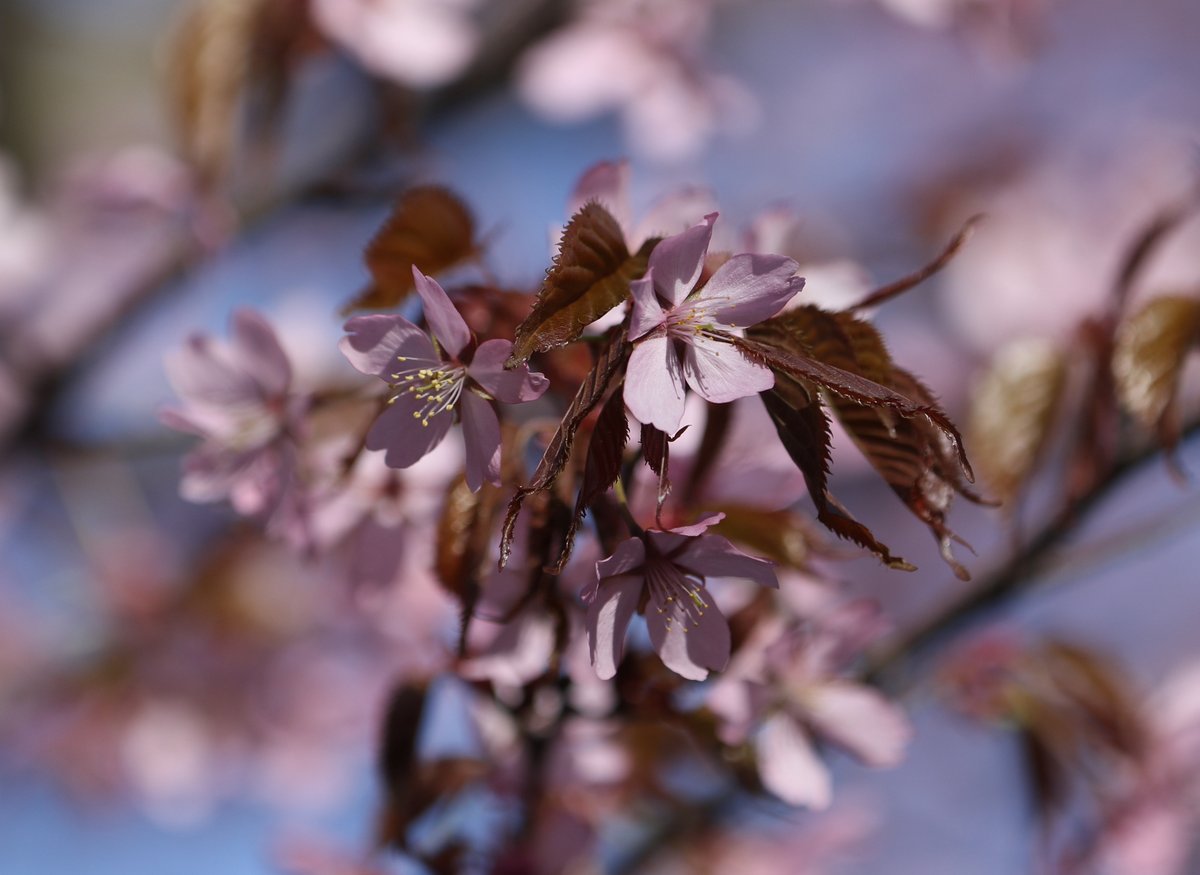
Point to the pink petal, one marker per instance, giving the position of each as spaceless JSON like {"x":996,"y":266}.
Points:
{"x":677,"y":261}
{"x":444,"y":320}
{"x":402,"y":434}
{"x":690,"y":642}
{"x":714,"y":556}
{"x":749,"y":288}
{"x":606,"y":183}
{"x":647,"y":312}
{"x":720,"y":373}
{"x":700,"y":526}
{"x":672,"y":539}
{"x":257,"y":349}
{"x":510,"y":386}
{"x":673,"y":213}
{"x":481,"y":437}
{"x":788,"y":765}
{"x":202,"y":374}
{"x":654,"y":390}
{"x":608,"y":620}
{"x":860,"y":720}
{"x":629,"y":556}
{"x":372,"y":344}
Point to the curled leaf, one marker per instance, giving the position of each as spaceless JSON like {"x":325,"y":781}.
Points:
{"x":656,"y":450}
{"x":892,"y":417}
{"x":902,"y":285}
{"x":1012,"y":412}
{"x":1151,"y":347}
{"x":463,"y":533}
{"x":609,"y":366}
{"x":429,"y":228}
{"x":803,"y":429}
{"x":606,"y":448}
{"x":590,"y":276}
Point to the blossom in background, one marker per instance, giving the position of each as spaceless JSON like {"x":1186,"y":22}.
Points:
{"x":607,"y":183}
{"x":644,"y":59}
{"x":419,"y":43}
{"x":238,"y":398}
{"x":787,"y":689}
{"x":662,"y":574}
{"x":429,"y":382}
{"x":681,"y":332}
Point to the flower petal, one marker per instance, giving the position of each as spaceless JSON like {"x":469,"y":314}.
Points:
{"x":690,"y":642}
{"x":372,"y":344}
{"x":714,"y":556}
{"x":606,"y":183}
{"x":256,"y":348}
{"x":647,"y":312}
{"x":674,"y":212}
{"x":401,"y":432}
{"x":202,"y":374}
{"x":444,"y":320}
{"x":749,"y":288}
{"x":510,"y":386}
{"x":720,"y":373}
{"x":608,"y":620}
{"x":860,"y":720}
{"x":629,"y":555}
{"x":788,"y":765}
{"x":654,"y":390}
{"x":677,"y":261}
{"x":481,"y":437}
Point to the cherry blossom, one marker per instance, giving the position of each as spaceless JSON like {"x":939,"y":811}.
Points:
{"x":662,"y":574}
{"x":430,"y":378}
{"x":787,"y":689}
{"x":681,"y":331}
{"x":238,"y":397}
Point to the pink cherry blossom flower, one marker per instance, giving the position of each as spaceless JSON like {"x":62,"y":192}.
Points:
{"x":681,"y":332}
{"x":419,"y":43}
{"x":662,"y":574}
{"x":431,"y":378}
{"x":238,"y":397}
{"x":786,"y":690}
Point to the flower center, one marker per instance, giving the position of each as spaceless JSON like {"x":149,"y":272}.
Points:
{"x":439,"y":386}
{"x":674,"y":593}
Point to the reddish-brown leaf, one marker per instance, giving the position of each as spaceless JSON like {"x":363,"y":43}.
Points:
{"x":209,"y":65}
{"x":803,"y":429}
{"x":1012,"y":413}
{"x":902,"y":285}
{"x":1151,"y":347}
{"x":609,"y":366}
{"x":429,"y":228}
{"x":606,"y":448}
{"x":461,"y":547}
{"x":656,"y":450}
{"x":851,"y":387}
{"x":590,"y":276}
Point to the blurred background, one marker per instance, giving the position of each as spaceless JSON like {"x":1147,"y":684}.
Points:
{"x":181,"y":694}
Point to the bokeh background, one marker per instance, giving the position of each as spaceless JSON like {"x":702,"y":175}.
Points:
{"x":180,"y":695}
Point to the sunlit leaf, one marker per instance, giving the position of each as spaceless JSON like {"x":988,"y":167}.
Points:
{"x":210,"y":59}
{"x":589,"y":277}
{"x":1012,"y":412}
{"x":1151,"y":347}
{"x":429,"y":228}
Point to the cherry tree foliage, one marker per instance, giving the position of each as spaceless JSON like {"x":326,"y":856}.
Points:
{"x":568,"y":556}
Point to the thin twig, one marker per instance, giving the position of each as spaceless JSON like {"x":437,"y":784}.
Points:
{"x":896,"y":668}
